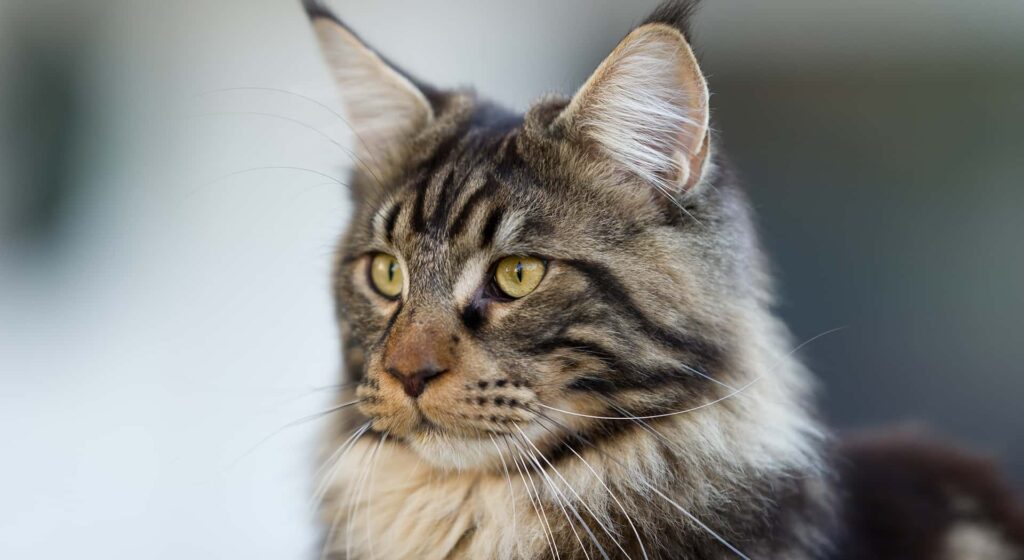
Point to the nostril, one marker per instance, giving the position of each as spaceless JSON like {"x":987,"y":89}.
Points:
{"x":415,"y":382}
{"x":430,"y":373}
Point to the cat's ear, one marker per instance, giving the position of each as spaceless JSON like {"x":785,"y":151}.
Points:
{"x":385,"y":108}
{"x":646,"y":108}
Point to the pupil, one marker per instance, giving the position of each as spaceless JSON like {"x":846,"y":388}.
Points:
{"x":391,"y":271}
{"x":519,"y":271}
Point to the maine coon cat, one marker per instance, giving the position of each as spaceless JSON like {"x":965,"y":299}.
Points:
{"x":559,"y":342}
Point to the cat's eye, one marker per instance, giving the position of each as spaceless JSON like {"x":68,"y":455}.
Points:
{"x":386,"y":275}
{"x":517,"y":276}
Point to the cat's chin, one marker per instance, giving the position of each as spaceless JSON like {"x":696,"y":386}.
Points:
{"x":452,"y":452}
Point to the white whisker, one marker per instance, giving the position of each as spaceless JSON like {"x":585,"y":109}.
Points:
{"x":597,"y":518}
{"x":369,"y":500}
{"x":559,"y":499}
{"x":511,"y":491}
{"x":698,"y":522}
{"x":329,"y":539}
{"x":335,"y":463}
{"x":537,"y":505}
{"x":597,"y":477}
{"x":292,"y":424}
{"x":682,"y":510}
{"x":320,"y":104}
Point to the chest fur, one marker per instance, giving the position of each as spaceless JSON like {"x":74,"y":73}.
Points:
{"x":388,"y":504}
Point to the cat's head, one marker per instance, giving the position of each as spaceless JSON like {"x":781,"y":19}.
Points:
{"x":503,"y":270}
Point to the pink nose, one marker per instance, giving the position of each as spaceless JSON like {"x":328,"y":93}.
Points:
{"x":417,"y":354}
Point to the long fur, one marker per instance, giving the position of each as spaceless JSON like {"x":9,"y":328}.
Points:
{"x":643,"y":401}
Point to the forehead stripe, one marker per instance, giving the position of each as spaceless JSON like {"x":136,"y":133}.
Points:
{"x":443,"y":200}
{"x":430,"y":169}
{"x":509,"y":160}
{"x":459,"y":223}
{"x":392,"y":219}
{"x":491,"y":227}
{"x":421,"y":187}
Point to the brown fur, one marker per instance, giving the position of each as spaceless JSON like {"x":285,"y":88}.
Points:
{"x":642,"y":402}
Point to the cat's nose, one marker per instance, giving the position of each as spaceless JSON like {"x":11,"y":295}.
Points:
{"x":415,"y":382}
{"x":416,"y":355}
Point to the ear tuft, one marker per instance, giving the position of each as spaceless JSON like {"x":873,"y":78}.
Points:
{"x":675,"y":13}
{"x":646,"y":108}
{"x":315,"y":9}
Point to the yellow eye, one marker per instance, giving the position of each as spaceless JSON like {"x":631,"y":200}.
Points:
{"x":386,"y":274}
{"x":517,"y":276}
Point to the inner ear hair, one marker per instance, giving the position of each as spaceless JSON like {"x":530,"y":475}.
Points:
{"x":646,"y":109}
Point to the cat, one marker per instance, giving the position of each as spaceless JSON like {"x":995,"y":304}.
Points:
{"x":559,"y":342}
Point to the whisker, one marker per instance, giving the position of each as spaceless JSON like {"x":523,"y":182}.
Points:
{"x":696,"y":371}
{"x":369,"y":499}
{"x":511,"y":491}
{"x":320,"y":104}
{"x":537,"y":507}
{"x":226,"y":176}
{"x":645,"y":427}
{"x":335,"y":461}
{"x":292,"y":424}
{"x":329,"y":539}
{"x":652,"y":416}
{"x":681,"y":509}
{"x":597,"y":518}
{"x":540,"y":502}
{"x":597,"y":477}
{"x":309,"y":189}
{"x":297,"y":122}
{"x":365,"y":471}
{"x":694,"y":519}
{"x":314,"y":390}
{"x":559,"y":498}
{"x":319,"y":415}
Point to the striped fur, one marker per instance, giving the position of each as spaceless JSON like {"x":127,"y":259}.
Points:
{"x":656,"y":304}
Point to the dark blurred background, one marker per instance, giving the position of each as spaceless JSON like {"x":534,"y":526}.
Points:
{"x":165,"y":237}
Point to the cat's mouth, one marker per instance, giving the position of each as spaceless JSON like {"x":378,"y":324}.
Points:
{"x":462,"y":449}
{"x":469,"y":410}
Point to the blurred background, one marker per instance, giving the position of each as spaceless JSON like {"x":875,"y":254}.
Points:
{"x":167,"y":213}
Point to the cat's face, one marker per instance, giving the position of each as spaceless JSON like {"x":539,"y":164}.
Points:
{"x":501,"y":270}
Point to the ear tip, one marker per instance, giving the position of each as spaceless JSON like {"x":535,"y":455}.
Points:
{"x":675,"y":13}
{"x":315,"y":10}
